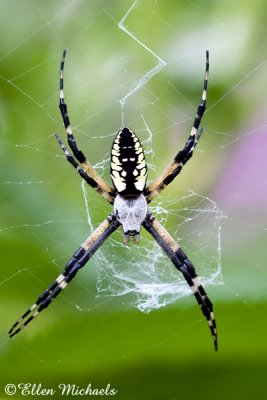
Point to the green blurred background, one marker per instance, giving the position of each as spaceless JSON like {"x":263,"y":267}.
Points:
{"x":88,"y":338}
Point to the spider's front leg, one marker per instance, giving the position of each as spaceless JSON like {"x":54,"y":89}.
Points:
{"x":184,"y":265}
{"x":78,"y":260}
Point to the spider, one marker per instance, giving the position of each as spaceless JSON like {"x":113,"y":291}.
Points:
{"x":130,"y":196}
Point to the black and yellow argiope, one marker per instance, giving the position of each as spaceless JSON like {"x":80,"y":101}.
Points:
{"x":130,"y":197}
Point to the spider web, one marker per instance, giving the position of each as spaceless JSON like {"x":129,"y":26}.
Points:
{"x":44,"y":201}
{"x":150,"y":277}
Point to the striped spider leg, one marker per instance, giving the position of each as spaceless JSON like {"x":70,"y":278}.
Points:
{"x":94,"y":180}
{"x":184,"y":265}
{"x":184,"y":155}
{"x":159,"y":233}
{"x":77,"y":261}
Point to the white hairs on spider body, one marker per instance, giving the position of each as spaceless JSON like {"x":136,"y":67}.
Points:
{"x":131,"y":213}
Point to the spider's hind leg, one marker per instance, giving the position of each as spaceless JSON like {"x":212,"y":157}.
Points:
{"x":97,"y":182}
{"x":184,"y":155}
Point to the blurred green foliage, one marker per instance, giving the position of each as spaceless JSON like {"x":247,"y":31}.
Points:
{"x":168,"y":353}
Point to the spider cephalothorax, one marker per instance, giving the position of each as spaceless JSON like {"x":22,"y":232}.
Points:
{"x":130,"y":197}
{"x":131,"y":213}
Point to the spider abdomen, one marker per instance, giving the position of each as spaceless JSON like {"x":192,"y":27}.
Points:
{"x":128,"y":168}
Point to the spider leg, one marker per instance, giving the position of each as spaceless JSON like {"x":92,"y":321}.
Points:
{"x":83,"y":173}
{"x":77,"y":261}
{"x":175,"y":167}
{"x":100,"y":184}
{"x":184,"y":265}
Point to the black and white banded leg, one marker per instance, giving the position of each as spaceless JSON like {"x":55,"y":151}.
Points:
{"x":184,"y":265}
{"x":108,"y":196}
{"x":184,"y":155}
{"x":97,"y":182}
{"x":77,"y":261}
